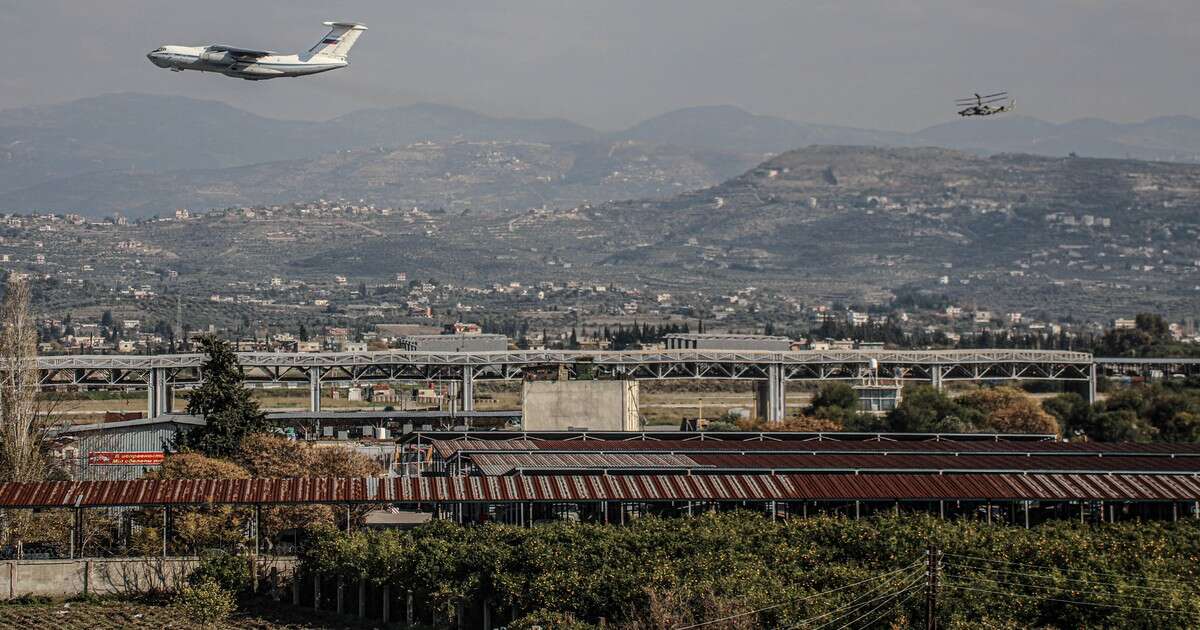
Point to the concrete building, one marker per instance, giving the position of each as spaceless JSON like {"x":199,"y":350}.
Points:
{"x":1124,"y":324}
{"x":455,"y":343}
{"x":591,"y":405}
{"x":703,"y":341}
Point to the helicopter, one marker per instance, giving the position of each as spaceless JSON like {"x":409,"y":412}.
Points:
{"x":985,"y":105}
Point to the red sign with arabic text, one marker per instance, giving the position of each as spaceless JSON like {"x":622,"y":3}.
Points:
{"x":129,"y":458}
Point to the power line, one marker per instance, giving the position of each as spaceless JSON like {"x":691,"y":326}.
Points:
{"x":1070,"y":601}
{"x":1050,"y":588}
{"x":868,"y":624}
{"x":885,"y":598}
{"x":801,"y":599}
{"x":1081,"y":571}
{"x":857,"y":603}
{"x":1062,"y":577}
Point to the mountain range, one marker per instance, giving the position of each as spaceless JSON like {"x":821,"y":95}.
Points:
{"x":144,"y":154}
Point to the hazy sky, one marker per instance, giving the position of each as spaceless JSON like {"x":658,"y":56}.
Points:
{"x":894,"y":64}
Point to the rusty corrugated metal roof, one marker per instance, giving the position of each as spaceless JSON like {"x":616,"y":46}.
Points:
{"x":904,"y":462}
{"x":505,"y":463}
{"x":449,"y":448}
{"x":789,"y":487}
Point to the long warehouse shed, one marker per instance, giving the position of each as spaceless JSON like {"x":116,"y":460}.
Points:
{"x":629,"y":488}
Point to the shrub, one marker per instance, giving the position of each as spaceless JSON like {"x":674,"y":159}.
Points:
{"x":548,"y":620}
{"x":230,"y":572}
{"x":205,"y":603}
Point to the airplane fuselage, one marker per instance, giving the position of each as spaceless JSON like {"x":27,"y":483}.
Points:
{"x":204,"y":59}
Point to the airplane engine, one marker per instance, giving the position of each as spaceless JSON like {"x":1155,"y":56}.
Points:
{"x":217,"y":58}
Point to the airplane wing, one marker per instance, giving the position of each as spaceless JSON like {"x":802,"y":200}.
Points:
{"x":242,"y":53}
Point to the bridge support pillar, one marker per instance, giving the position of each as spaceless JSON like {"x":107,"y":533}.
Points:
{"x":770,"y":396}
{"x":314,"y":390}
{"x":936,"y":377}
{"x":468,"y":388}
{"x":1091,"y":384}
{"x":158,"y":393}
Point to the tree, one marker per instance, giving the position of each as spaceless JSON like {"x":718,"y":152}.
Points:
{"x":24,"y":425}
{"x":836,"y":396}
{"x":924,"y":409}
{"x":1009,"y":410}
{"x":1071,"y":412}
{"x":273,"y":456}
{"x":220,"y":526}
{"x":225,"y":404}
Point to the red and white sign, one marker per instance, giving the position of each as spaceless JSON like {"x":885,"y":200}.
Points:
{"x":129,"y":458}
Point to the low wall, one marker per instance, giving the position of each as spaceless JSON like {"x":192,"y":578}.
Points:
{"x":106,"y":576}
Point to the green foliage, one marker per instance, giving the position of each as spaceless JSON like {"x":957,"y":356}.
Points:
{"x":657,"y":571}
{"x":223,"y":400}
{"x":206,"y":603}
{"x":1151,"y":336}
{"x":230,"y":572}
{"x":924,"y":409}
{"x":1167,"y":413}
{"x":835,"y":396}
{"x":547,"y":619}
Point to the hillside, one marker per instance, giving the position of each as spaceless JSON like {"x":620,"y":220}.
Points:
{"x":1070,"y":235}
{"x":865,"y":220}
{"x":144,"y":155}
{"x":733,"y":128}
{"x":485,"y":177}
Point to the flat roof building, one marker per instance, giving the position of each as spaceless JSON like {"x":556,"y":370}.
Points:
{"x":705,"y":341}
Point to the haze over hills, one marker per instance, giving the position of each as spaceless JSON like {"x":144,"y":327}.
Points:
{"x":1076,"y":236}
{"x":143,"y":154}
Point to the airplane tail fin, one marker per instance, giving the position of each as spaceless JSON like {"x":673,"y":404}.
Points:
{"x":340,"y":39}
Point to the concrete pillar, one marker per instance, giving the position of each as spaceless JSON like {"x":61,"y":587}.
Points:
{"x":468,"y":388}
{"x":152,"y":401}
{"x":778,"y":410}
{"x":770,"y":395}
{"x":1091,"y":397}
{"x":314,"y":390}
{"x":936,"y":377}
{"x":162,"y":391}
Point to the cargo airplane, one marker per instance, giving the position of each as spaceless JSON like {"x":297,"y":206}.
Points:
{"x":331,"y":53}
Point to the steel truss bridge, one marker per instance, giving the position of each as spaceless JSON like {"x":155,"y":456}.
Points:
{"x":159,"y":374}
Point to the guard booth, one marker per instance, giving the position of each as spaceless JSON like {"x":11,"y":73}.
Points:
{"x":877,"y":396}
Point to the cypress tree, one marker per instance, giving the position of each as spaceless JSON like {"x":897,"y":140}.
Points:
{"x":224,"y":402}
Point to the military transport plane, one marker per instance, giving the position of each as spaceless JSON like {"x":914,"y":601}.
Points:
{"x":330,"y":53}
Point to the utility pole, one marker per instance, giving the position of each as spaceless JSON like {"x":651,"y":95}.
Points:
{"x":931,"y":586}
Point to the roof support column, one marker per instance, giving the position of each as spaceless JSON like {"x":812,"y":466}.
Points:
{"x":468,"y":388}
{"x":314,"y":390}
